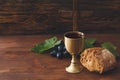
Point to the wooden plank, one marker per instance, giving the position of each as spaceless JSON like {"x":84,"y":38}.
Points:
{"x":55,"y":16}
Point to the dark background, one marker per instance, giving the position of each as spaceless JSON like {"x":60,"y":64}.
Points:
{"x":22,"y":17}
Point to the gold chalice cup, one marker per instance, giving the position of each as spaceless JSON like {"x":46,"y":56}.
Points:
{"x":74,"y":42}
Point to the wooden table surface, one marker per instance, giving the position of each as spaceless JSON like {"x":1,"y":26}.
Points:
{"x":17,"y":62}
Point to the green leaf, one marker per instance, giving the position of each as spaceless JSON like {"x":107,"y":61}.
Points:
{"x":48,"y":44}
{"x":51,"y":40}
{"x":89,"y":42}
{"x":112,"y":48}
{"x":58,"y":42}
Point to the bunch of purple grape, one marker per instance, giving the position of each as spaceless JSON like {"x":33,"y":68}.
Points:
{"x":60,"y":51}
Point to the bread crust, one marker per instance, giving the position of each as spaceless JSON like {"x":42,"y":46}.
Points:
{"x":98,"y":59}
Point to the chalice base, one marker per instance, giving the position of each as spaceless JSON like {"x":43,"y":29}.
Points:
{"x":74,"y":68}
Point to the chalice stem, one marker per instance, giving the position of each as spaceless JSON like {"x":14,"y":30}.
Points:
{"x":74,"y":66}
{"x":74,"y":60}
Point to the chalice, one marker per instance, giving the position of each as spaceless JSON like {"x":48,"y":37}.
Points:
{"x":74,"y":43}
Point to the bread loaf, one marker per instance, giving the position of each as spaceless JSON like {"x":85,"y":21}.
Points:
{"x":98,"y":59}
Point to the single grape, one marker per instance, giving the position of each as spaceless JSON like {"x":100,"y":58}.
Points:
{"x":66,"y":54}
{"x":64,"y":48}
{"x":53,"y":53}
{"x":59,"y":55}
{"x":60,"y":48}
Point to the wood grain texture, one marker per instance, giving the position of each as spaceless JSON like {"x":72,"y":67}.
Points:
{"x":19,"y":63}
{"x":55,"y":16}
